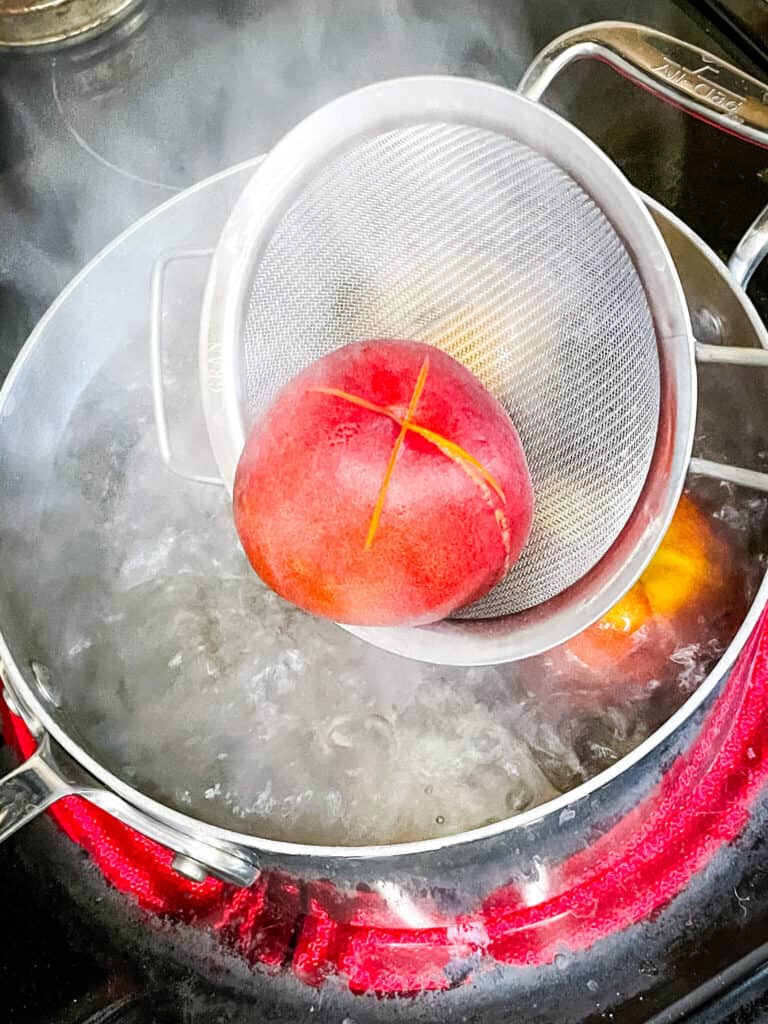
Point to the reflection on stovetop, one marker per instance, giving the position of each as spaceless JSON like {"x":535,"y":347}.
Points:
{"x":93,"y":137}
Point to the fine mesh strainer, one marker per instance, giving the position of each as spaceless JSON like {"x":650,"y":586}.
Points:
{"x":464,"y":215}
{"x":461,"y":214}
{"x":473,"y":241}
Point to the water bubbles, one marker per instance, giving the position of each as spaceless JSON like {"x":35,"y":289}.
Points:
{"x":598,"y":742}
{"x":592,"y":985}
{"x":348,"y":732}
{"x":519,"y":798}
{"x":197,"y":684}
{"x":340,"y":735}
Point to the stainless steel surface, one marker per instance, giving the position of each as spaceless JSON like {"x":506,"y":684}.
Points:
{"x":156,"y":362}
{"x":27,"y":791}
{"x":731,"y":474}
{"x":191,"y":869}
{"x":51,"y":774}
{"x":399,"y":210}
{"x":686,"y":75}
{"x":30,"y":431}
{"x":731,"y":355}
{"x":750,"y":251}
{"x":660,"y":63}
{"x":28,"y":24}
{"x":220,"y":859}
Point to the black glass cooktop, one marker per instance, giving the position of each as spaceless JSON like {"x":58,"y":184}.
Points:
{"x":94,"y":136}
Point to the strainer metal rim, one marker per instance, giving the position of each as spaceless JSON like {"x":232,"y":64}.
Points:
{"x":441,"y":98}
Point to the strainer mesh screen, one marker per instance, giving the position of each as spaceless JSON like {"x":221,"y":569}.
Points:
{"x":469,"y":240}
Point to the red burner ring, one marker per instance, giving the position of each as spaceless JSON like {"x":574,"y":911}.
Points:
{"x":317,"y":930}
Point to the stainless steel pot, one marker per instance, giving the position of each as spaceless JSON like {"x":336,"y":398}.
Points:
{"x":105,"y":319}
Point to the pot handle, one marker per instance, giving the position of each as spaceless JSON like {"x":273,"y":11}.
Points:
{"x":51,"y":774}
{"x":751,"y":250}
{"x":156,"y":360}
{"x":731,"y":356}
{"x":193,"y":858}
{"x":30,"y":789}
{"x":677,"y":72}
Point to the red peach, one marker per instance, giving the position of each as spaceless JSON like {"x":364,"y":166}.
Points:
{"x":383,"y":486}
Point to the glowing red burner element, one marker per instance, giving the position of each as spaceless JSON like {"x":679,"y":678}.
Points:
{"x":316,"y":930}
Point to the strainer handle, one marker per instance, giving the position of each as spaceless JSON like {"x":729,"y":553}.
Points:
{"x":751,"y":478}
{"x":677,"y":72}
{"x":731,"y":356}
{"x":156,"y":361}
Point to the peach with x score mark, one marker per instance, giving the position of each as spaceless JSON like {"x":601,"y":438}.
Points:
{"x":383,"y":486}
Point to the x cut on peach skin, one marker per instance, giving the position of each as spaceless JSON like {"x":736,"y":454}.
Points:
{"x":383,"y":486}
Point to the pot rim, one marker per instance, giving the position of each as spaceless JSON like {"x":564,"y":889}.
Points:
{"x":36,"y":713}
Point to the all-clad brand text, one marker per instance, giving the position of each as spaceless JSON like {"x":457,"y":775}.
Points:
{"x":692,"y":81}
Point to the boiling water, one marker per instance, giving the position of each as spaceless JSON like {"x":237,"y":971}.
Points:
{"x":195,"y":683}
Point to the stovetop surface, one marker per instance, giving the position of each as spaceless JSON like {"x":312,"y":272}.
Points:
{"x":93,"y":137}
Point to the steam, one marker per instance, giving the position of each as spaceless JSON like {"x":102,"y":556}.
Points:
{"x":190,"y":95}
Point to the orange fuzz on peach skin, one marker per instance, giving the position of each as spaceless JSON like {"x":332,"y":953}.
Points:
{"x":384,"y":486}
